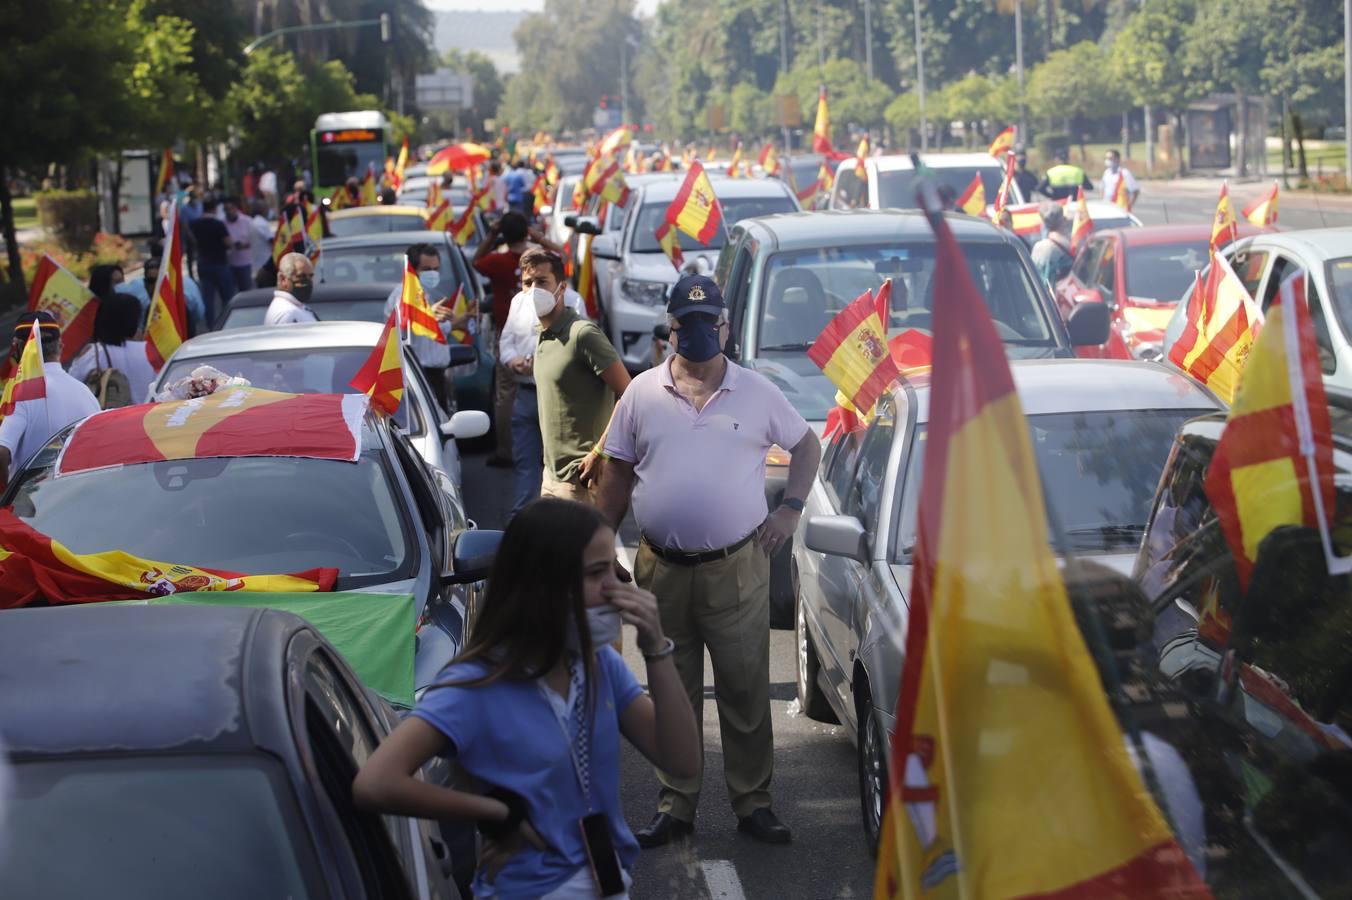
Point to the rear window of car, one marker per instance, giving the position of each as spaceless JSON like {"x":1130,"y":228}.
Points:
{"x":1163,"y":272}
{"x":735,"y":210}
{"x":896,"y":189}
{"x":347,"y":226}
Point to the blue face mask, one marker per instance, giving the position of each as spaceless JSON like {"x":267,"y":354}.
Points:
{"x":697,"y":338}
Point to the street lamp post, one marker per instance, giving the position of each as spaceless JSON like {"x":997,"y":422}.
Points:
{"x":1347,"y":91}
{"x":868,"y":39}
{"x":1018,"y":69}
{"x":920,"y":75}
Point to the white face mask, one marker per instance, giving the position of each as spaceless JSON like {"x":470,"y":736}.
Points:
{"x":604,"y":623}
{"x":429,"y":279}
{"x":544,"y":301}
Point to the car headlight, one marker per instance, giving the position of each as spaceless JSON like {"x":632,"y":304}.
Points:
{"x":648,"y":293}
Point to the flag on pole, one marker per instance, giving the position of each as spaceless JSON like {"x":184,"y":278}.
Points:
{"x":696,"y":209}
{"x":281,"y":239}
{"x":167,"y":321}
{"x":1259,"y":478}
{"x":314,"y":230}
{"x":973,"y":199}
{"x":807,"y":197}
{"x":460,"y":309}
{"x":586,"y":277}
{"x":1081,"y":225}
{"x":1224,"y":228}
{"x":1263,"y":211}
{"x":669,"y":239}
{"x":1221,"y":325}
{"x":734,"y":167}
{"x":368,"y":187}
{"x":166,"y":172}
{"x":605,"y":179}
{"x":402,"y":161}
{"x":414,"y":313}
{"x":993,"y":654}
{"x":381,"y":377}
{"x":540,"y":191}
{"x":339,"y":199}
{"x":620,"y":137}
{"x":28,"y":381}
{"x":1003,"y":143}
{"x":463,"y":228}
{"x":861,"y":154}
{"x":57,"y":291}
{"x":1002,"y":198}
{"x":821,"y":128}
{"x":852,"y":351}
{"x":1025,"y":219}
{"x":769,"y":159}
{"x":1120,"y":194}
{"x":440,"y":218}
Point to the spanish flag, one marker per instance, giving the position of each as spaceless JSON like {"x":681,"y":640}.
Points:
{"x":1002,"y":198}
{"x":402,"y":161}
{"x":1082,"y":226}
{"x":167,"y":321}
{"x":821,"y":128}
{"x":1261,"y":475}
{"x":861,"y":154}
{"x":440,"y":219}
{"x":769,"y":159}
{"x":381,"y":377}
{"x":414,"y":313}
{"x":1025,"y":219}
{"x":281,"y":239}
{"x":807,"y":197}
{"x":852,"y":352}
{"x":586,"y":277}
{"x":541,"y":193}
{"x":28,"y":381}
{"x":1003,"y":143}
{"x":462,"y":229}
{"x":1221,"y":325}
{"x":166,"y":172}
{"x":620,"y":137}
{"x":57,"y":291}
{"x":461,"y":306}
{"x":482,"y":198}
{"x":973,"y":199}
{"x":605,"y":179}
{"x":696,"y":209}
{"x":368,"y":188}
{"x":314,"y":229}
{"x":1009,"y":775}
{"x":1263,"y":211}
{"x":1224,"y":228}
{"x":631,"y":164}
{"x":735,"y":166}
{"x":1120,"y":195}
{"x":339,"y":199}
{"x":669,"y":239}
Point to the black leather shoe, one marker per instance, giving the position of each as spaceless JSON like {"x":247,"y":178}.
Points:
{"x":662,"y":830}
{"x":764,"y":826}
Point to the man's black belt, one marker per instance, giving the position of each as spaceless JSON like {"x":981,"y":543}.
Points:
{"x":695,"y":557}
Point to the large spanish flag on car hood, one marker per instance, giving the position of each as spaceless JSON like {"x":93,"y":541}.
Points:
{"x":35,"y":567}
{"x":1009,"y":776}
{"x":239,"y":421}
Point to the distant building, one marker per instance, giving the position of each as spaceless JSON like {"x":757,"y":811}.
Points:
{"x":444,"y":91}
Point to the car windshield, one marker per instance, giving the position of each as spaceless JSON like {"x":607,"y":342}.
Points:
{"x":734,"y":210}
{"x":1099,"y":472}
{"x":1162,"y":272}
{"x":347,"y":226}
{"x":252,"y":516}
{"x":1339,"y":275}
{"x":358,"y":263}
{"x":372,"y":310}
{"x":209,"y":827}
{"x":896,"y":189}
{"x":311,"y":370}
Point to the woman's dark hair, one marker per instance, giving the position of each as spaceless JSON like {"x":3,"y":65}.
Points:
{"x":101,"y":279}
{"x":535,"y":594}
{"x":117,"y":320}
{"x":512,"y":227}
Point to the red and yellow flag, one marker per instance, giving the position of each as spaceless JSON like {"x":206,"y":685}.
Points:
{"x":57,"y":291}
{"x":415,"y":314}
{"x":461,"y":306}
{"x":440,"y":219}
{"x":997,"y":683}
{"x":314,"y":230}
{"x":402,"y":161}
{"x":1224,"y":228}
{"x":586,"y":277}
{"x":669,"y":239}
{"x":540,"y":191}
{"x":434,"y":194}
{"x":1002,"y":198}
{"x":1259,"y":478}
{"x":735,"y":165}
{"x":381,"y":377}
{"x":1003,"y":143}
{"x":769,"y":159}
{"x":807,"y":196}
{"x":852,"y":352}
{"x":610,"y":145}
{"x":167,"y":321}
{"x":339,"y":199}
{"x":696,"y":209}
{"x":1222,"y":323}
{"x":462,"y":229}
{"x":1263,"y":211}
{"x":1025,"y":219}
{"x":605,"y":179}
{"x":861,"y":154}
{"x":28,"y":381}
{"x":821,"y":128}
{"x":1120,"y":194}
{"x":1081,"y":225}
{"x":166,"y":171}
{"x":35,"y":567}
{"x":368,"y":188}
{"x":973,"y":199}
{"x":281,"y":240}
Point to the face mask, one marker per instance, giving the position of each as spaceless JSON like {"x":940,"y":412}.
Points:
{"x":302,"y":290}
{"x":1111,"y":166}
{"x":544,"y":302}
{"x":697,"y":339}
{"x":429,"y":279}
{"x":604,"y":624}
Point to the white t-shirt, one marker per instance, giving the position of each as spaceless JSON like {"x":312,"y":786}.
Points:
{"x":500,"y":193}
{"x":521,"y":331}
{"x":261,"y":248}
{"x":267,"y":182}
{"x":287,"y":310}
{"x":33,"y":422}
{"x":1109,"y":182}
{"x":130,"y":359}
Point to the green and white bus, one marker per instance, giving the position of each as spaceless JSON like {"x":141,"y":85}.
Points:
{"x":344,"y":144}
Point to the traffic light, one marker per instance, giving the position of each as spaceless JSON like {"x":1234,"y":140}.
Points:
{"x":385,"y":28}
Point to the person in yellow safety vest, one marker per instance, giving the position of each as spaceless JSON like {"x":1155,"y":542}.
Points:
{"x":1063,"y":180}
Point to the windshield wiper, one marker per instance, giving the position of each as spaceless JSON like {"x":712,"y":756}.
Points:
{"x":804,"y":345}
{"x":1107,"y":534}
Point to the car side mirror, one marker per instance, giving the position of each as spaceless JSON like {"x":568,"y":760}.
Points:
{"x":473,"y":555}
{"x":1088,"y":324}
{"x":465,"y":424}
{"x":586,"y":225}
{"x":604,"y":247}
{"x":463,"y":354}
{"x":837,"y":536}
{"x":570,"y":221}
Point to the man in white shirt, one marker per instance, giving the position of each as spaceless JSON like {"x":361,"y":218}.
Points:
{"x":295,"y":283}
{"x":263,"y":230}
{"x":516,"y":351}
{"x":1113,"y":172}
{"x":33,"y":422}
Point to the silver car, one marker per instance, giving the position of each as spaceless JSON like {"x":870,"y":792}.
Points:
{"x":1101,"y":431}
{"x":322,"y":357}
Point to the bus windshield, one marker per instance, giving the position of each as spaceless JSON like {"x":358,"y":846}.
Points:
{"x":346,"y":149}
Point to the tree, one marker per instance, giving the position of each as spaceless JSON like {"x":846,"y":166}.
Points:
{"x":855,"y":102}
{"x":1224,"y":50}
{"x":1147,"y":58}
{"x":1075,"y":84}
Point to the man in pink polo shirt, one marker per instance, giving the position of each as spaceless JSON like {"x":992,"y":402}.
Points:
{"x":688,"y":441}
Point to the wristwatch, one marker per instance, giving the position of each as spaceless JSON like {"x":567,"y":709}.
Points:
{"x":792,"y":503}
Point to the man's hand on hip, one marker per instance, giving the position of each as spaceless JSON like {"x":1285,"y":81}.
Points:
{"x":777,"y":528}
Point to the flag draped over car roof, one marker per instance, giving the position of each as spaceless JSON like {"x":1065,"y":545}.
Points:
{"x":1009,"y":775}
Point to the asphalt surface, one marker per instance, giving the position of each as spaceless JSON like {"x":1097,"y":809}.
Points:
{"x":815,"y":788}
{"x":1194,"y":200}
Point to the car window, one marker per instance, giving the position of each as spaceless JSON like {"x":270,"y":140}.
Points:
{"x":1086,"y":262}
{"x":851,"y":191}
{"x":382,"y":263}
{"x":1163,"y":272}
{"x":644,"y":236}
{"x":1249,"y":265}
{"x":843,"y":463}
{"x":735,"y":291}
{"x":346,"y":226}
{"x":1107,"y":271}
{"x":866,"y":491}
{"x":897,"y":188}
{"x":1282,"y":267}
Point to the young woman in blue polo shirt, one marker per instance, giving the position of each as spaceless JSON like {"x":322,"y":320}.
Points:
{"x":534,"y":708}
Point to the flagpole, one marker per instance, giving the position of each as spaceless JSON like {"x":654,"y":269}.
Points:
{"x":920,"y":76}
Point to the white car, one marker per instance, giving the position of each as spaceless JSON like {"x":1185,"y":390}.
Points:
{"x":889,"y":181}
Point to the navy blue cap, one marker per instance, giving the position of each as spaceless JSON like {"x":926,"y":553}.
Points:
{"x":695,"y":293}
{"x":42,"y":318}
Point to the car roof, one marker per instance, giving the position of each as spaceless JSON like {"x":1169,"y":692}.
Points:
{"x":1189,"y":233}
{"x":846,"y":227}
{"x":323,"y":292}
{"x":397,"y":209}
{"x":726,"y":188}
{"x":95,"y":678}
{"x":1049,"y":386}
{"x":386,"y":238}
{"x":1320,"y":243}
{"x":896,"y":162}
{"x":263,"y":338}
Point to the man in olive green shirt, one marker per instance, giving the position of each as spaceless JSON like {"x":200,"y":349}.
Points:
{"x":578,"y":377}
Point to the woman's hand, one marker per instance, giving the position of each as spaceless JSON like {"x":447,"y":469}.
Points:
{"x":638,"y":608}
{"x":495,"y":854}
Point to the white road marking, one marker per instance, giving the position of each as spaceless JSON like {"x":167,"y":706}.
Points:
{"x":721,"y":877}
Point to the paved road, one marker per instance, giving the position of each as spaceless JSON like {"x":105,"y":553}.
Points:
{"x":815,"y":788}
{"x":1194,"y":200}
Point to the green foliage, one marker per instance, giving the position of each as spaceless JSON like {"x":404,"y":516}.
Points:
{"x":1224,"y":48}
{"x":488,"y":84}
{"x":1075,"y":83}
{"x":993,"y":99}
{"x":167,"y":99}
{"x":855,"y":103}
{"x":1147,"y":58}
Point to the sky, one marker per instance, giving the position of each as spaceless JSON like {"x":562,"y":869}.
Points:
{"x":645,"y":7}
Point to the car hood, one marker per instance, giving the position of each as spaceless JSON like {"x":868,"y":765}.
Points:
{"x":656,"y":266}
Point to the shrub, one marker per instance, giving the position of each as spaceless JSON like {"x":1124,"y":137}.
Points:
{"x":105,"y":248}
{"x":72,"y":216}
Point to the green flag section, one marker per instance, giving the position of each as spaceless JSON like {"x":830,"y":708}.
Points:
{"x":373,"y":632}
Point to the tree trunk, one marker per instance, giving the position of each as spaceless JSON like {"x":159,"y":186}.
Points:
{"x":1126,"y":134}
{"x":11,"y":240}
{"x":1050,"y":7}
{"x":1149,"y":139}
{"x":1242,"y":136}
{"x":1286,"y":144}
{"x":1176,"y":126}
{"x":1298,"y":128}
{"x":115,"y":191}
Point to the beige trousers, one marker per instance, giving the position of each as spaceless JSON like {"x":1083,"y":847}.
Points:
{"x":565,"y":490}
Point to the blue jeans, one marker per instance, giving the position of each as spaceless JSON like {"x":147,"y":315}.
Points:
{"x":528,"y":450}
{"x":218,"y":286}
